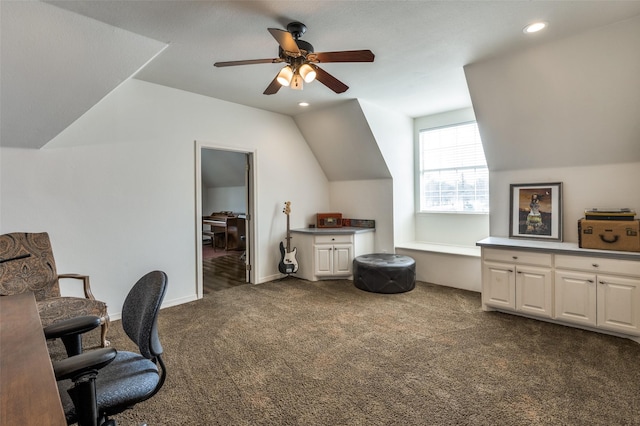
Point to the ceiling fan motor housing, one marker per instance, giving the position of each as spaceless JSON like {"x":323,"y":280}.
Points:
{"x":297,"y":29}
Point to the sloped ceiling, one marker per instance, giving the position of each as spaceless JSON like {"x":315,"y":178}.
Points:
{"x":343,"y":143}
{"x":572,"y":102}
{"x":56,"y":65}
{"x":60,"y":57}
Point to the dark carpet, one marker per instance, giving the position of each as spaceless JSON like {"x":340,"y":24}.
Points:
{"x":293,"y":352}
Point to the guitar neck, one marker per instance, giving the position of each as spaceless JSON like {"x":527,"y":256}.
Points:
{"x":288,"y":236}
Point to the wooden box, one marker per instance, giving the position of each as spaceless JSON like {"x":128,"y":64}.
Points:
{"x":622,"y":235}
{"x":329,"y":220}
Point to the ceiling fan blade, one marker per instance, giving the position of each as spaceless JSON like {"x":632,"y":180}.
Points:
{"x":273,"y":87}
{"x":247,"y":62}
{"x":330,"y":81}
{"x":286,"y":41}
{"x":343,"y":56}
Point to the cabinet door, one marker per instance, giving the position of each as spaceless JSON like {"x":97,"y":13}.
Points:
{"x":323,"y":265}
{"x":534,"y":288}
{"x":619,"y":304}
{"x":498,"y":285}
{"x":575,"y":297}
{"x":342,"y":259}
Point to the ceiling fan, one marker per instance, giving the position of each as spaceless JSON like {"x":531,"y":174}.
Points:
{"x":302,"y":61}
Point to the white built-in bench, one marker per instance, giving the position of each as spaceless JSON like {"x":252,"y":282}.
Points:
{"x":444,"y":264}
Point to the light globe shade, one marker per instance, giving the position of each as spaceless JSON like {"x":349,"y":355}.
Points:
{"x":284,"y":76}
{"x":307,"y":72}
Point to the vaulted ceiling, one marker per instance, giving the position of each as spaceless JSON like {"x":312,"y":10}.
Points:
{"x":59,"y":58}
{"x":573,"y":102}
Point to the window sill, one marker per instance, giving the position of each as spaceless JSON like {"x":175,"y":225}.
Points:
{"x":441,"y":248}
{"x":427,"y":213}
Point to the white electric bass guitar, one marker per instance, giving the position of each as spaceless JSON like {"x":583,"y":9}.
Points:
{"x":288,"y":263}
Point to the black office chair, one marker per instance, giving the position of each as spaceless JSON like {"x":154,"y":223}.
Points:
{"x":97,"y":384}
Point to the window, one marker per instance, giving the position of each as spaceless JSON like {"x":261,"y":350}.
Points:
{"x":453,"y":171}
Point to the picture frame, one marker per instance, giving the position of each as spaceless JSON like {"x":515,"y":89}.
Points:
{"x":536,"y":211}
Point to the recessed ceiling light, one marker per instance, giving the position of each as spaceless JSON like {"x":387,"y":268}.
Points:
{"x":534,"y":27}
{"x":303,"y":104}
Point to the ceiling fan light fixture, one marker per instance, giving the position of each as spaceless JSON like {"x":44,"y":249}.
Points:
{"x":308,"y":72}
{"x":285,"y":75}
{"x":297,"y":82}
{"x":299,"y":61}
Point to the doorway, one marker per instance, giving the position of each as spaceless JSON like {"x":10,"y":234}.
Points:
{"x":224,"y":213}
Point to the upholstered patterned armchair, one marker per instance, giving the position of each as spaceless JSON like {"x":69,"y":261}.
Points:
{"x":27,"y":264}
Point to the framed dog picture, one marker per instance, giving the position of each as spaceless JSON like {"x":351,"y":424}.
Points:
{"x":536,"y":211}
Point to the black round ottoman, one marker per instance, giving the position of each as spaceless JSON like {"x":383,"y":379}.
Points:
{"x":384,"y":273}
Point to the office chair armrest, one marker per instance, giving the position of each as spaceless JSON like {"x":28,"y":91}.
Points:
{"x":76,"y":366}
{"x":71,"y":327}
{"x":85,"y":283}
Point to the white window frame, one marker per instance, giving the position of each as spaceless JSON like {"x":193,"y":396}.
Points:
{"x":456,"y":170}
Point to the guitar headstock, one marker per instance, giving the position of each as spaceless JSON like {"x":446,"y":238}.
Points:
{"x":287,"y":208}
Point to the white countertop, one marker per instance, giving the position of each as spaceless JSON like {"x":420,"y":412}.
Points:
{"x":332,"y":231}
{"x":554,"y":247}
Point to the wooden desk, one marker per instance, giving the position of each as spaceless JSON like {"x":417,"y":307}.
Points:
{"x":28,"y":390}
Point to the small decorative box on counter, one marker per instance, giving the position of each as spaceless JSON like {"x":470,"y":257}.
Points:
{"x":329,"y":220}
{"x":359,"y":223}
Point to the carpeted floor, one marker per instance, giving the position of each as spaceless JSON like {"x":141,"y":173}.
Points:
{"x":294,"y":352}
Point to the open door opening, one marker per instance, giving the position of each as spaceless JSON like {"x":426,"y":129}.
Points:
{"x":224,"y":213}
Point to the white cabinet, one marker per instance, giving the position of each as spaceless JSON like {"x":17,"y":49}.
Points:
{"x":560,"y":282}
{"x":325,"y":255}
{"x":604,"y":293}
{"x":575,"y":297}
{"x":333,"y":255}
{"x":618,"y":304}
{"x":518,"y":281}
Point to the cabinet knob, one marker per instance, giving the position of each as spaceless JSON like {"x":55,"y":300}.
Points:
{"x":510,"y":270}
{"x":595,"y":265}
{"x":515,"y":257}
{"x":590,"y":281}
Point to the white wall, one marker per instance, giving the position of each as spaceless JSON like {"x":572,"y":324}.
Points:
{"x":224,"y":199}
{"x":614,"y":185}
{"x":367,"y":199}
{"x":451,"y":270}
{"x":394,"y":134}
{"x":454,"y":229}
{"x":116,"y":190}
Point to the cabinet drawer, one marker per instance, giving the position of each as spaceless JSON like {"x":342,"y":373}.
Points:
{"x":518,"y":257}
{"x":334,"y":238}
{"x":596,"y":264}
